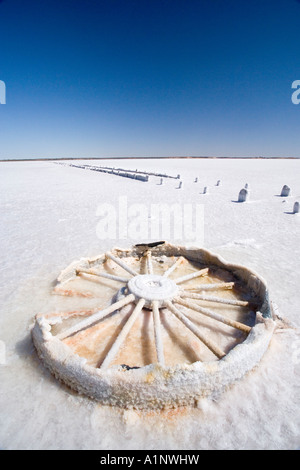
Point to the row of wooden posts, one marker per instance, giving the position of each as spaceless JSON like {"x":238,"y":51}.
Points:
{"x":244,"y":193}
{"x":285,"y":192}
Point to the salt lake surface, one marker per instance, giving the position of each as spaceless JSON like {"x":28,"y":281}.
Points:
{"x":50,"y":216}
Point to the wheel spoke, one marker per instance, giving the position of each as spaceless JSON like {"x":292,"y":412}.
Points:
{"x":122,"y":264}
{"x":215,"y":316}
{"x":210,"y":298}
{"x":96,"y":317}
{"x":120,"y":339}
{"x":174,"y":266}
{"x":157,"y":333}
{"x":216,"y":286}
{"x":193,"y":328}
{"x":193,"y":275}
{"x":149,"y":262}
{"x":106,"y":275}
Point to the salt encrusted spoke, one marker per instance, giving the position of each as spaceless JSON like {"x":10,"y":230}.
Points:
{"x":96,"y":317}
{"x":157,"y":333}
{"x":215,"y":316}
{"x":149,"y":262}
{"x":211,"y":298}
{"x":106,"y":275}
{"x":174,"y":266}
{"x":181,"y":279}
{"x":124,"y":332}
{"x":121,"y":263}
{"x":213,"y":347}
{"x":217,"y":286}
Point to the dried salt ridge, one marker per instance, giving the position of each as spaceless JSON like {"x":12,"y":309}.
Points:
{"x":148,"y":287}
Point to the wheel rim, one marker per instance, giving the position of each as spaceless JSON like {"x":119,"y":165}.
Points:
{"x":145,"y":292}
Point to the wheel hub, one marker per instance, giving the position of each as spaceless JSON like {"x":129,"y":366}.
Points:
{"x":152,"y":287}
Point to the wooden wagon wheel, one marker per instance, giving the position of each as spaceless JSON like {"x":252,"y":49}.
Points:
{"x":140,"y":290}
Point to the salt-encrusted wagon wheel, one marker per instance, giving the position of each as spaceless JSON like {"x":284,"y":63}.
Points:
{"x":127,"y":352}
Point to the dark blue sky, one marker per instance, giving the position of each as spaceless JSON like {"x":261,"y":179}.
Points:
{"x":157,"y":78}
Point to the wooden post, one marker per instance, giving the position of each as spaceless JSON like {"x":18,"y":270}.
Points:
{"x":243,"y":195}
{"x":285,"y":192}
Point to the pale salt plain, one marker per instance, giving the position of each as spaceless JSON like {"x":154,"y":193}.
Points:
{"x":49,"y":218}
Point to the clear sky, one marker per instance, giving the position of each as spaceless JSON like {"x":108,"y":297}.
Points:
{"x":113,"y":78}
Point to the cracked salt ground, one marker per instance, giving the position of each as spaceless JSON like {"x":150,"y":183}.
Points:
{"x":261,"y":411}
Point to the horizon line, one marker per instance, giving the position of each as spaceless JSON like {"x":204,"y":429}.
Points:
{"x":142,"y":158}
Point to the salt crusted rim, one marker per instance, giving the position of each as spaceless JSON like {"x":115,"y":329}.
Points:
{"x":155,"y":386}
